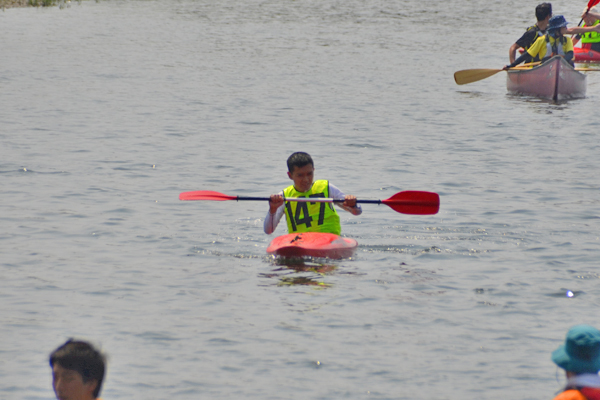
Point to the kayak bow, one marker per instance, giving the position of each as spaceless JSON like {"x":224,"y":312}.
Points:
{"x":312,"y":244}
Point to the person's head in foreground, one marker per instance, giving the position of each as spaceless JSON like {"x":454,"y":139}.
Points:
{"x":580,"y":358}
{"x":77,"y":371}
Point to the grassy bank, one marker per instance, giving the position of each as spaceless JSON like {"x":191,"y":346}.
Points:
{"x":27,"y":3}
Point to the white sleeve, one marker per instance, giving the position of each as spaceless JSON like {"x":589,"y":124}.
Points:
{"x":272,"y":220}
{"x":337,"y":194}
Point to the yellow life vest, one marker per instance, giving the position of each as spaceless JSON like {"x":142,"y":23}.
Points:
{"x":591,"y":37}
{"x":555,"y":46}
{"x":538,"y":33}
{"x":311,"y":217}
{"x":547,"y":46}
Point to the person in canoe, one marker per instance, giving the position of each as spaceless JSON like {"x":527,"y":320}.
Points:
{"x":589,"y":40}
{"x":543,"y":13}
{"x":77,"y":371}
{"x":307,"y":217}
{"x":554,"y":42}
{"x":580,"y":358}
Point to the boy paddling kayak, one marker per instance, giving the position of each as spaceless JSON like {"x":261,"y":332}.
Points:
{"x":307,"y":216}
{"x":313,"y":224}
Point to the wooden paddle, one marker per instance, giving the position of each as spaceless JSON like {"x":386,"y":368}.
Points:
{"x":407,"y":202}
{"x":473,"y":75}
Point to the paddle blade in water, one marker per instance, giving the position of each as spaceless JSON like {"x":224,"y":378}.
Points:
{"x":414,"y":202}
{"x":205,"y":195}
{"x":473,"y":75}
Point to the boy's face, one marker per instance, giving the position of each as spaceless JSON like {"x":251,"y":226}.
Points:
{"x":69,"y":385}
{"x":303,"y":177}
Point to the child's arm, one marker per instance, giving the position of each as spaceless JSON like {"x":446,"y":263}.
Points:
{"x":349,"y":203}
{"x":275,"y":213}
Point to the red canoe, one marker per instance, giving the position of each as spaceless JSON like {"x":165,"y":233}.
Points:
{"x":312,"y":244}
{"x":555,"y":80}
{"x":586,"y":55}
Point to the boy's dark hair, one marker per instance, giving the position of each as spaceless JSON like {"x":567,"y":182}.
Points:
{"x":299,"y":159}
{"x":543,"y":10}
{"x":82,"y":358}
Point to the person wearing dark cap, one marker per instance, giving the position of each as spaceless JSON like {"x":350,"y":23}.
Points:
{"x":77,"y":371}
{"x":580,"y":358}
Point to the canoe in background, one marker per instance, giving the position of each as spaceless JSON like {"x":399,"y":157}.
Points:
{"x":555,"y":80}
{"x":312,"y":244}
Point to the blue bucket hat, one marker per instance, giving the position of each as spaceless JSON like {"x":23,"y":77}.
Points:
{"x":557,"y":22}
{"x":581,"y":351}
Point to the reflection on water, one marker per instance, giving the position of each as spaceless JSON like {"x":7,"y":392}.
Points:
{"x":547,"y":105}
{"x":292,"y":271}
{"x":302,"y":280}
{"x":307,"y":265}
{"x":566,"y":293}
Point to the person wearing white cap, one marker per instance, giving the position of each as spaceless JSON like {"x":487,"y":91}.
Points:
{"x":589,"y":40}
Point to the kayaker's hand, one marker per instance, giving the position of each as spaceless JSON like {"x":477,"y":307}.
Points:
{"x":506,"y":67}
{"x":275,"y":201}
{"x":350,"y":201}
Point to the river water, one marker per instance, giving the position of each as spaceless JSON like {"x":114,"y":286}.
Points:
{"x":110,"y":109}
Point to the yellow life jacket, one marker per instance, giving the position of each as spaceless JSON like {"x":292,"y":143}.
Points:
{"x":311,"y":217}
{"x":555,"y":46}
{"x":538,"y":33}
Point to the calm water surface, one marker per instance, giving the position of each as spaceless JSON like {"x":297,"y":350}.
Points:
{"x":110,"y":109}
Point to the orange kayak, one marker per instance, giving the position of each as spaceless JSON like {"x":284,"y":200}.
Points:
{"x":312,"y":244}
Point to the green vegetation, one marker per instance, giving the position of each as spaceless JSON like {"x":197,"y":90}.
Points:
{"x":42,"y":3}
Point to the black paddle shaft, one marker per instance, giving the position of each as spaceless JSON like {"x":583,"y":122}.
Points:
{"x":243,"y":198}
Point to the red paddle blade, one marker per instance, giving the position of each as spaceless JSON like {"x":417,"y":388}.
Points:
{"x":414,"y":202}
{"x":205,"y":195}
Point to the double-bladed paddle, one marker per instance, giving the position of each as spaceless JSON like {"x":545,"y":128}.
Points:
{"x":407,"y":202}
